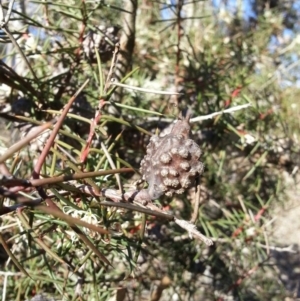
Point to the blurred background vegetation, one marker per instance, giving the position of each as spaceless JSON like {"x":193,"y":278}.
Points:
{"x":217,"y":55}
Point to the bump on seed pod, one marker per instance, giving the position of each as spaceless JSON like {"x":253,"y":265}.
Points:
{"x":165,"y":158}
{"x":172,"y":164}
{"x":164,"y":172}
{"x":183,"y":152}
{"x":184,"y":165}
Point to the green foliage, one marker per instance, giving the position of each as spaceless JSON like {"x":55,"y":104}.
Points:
{"x":216,"y":62}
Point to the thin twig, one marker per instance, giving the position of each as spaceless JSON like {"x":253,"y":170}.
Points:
{"x":288,"y":249}
{"x":196,"y":204}
{"x":127,"y":43}
{"x":4,"y":171}
{"x":137,"y":198}
{"x":4,"y":20}
{"x":112,"y":165}
{"x":4,"y":26}
{"x":229,"y":110}
{"x":9,"y":77}
{"x":143,"y":89}
{"x":3,"y":273}
{"x":13,"y":40}
{"x":112,"y":67}
{"x":94,"y":123}
{"x":125,"y":201}
{"x":179,"y":7}
{"x":36,"y":174}
{"x":59,"y":179}
{"x":57,"y":126}
{"x":4,"y":288}
{"x":192,"y":230}
{"x":101,"y":105}
{"x":17,"y":146}
{"x":192,"y":120}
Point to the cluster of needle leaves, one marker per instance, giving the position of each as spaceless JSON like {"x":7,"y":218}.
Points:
{"x":70,"y":151}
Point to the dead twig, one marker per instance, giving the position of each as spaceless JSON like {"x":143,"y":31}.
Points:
{"x":196,"y":204}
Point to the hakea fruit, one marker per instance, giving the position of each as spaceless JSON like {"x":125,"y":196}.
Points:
{"x":172,"y":164}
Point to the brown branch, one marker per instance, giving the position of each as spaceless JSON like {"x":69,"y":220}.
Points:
{"x":54,"y":180}
{"x":127,"y":42}
{"x":51,"y":139}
